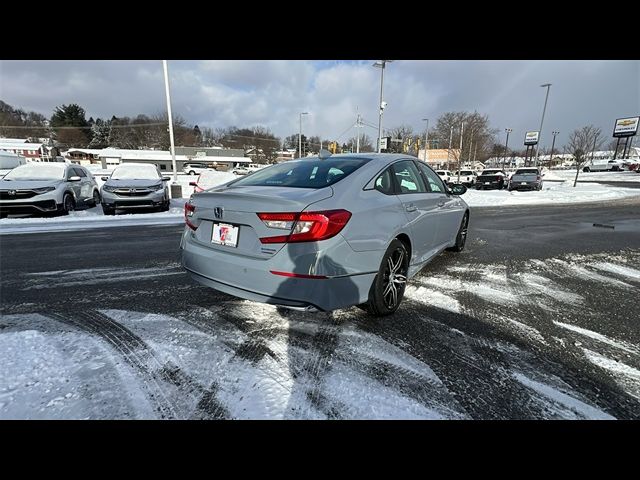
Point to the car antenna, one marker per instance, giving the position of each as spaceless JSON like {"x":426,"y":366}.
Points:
{"x":324,"y":154}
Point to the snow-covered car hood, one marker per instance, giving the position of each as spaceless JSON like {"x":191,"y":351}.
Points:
{"x":27,"y":184}
{"x":128,"y":183}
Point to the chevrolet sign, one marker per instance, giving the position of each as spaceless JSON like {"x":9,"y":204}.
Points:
{"x":626,"y":127}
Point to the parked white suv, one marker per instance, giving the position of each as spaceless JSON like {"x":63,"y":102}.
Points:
{"x":195,"y":168}
{"x":445,"y":175}
{"x":254,"y":167}
{"x":467,"y":177}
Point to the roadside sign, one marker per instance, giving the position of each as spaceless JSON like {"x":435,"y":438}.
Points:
{"x":531,"y":138}
{"x":626,"y":127}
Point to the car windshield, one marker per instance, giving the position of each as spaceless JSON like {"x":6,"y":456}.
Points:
{"x":308,"y":173}
{"x":465,"y":172}
{"x":491,"y":172}
{"x":526,"y":172}
{"x":136,"y":172}
{"x":37,"y":171}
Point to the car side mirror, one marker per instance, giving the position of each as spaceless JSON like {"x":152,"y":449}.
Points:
{"x":166,"y":179}
{"x":75,"y":178}
{"x":458,"y":189}
{"x":193,"y":184}
{"x":104,"y":179}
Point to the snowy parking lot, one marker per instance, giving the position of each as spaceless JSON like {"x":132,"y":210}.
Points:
{"x":536,"y":319}
{"x":558,"y":192}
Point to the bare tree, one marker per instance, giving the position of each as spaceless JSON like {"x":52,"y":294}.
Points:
{"x":581,"y":142}
{"x":478,"y":138}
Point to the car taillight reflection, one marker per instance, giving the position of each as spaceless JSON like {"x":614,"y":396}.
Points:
{"x":189,"y":210}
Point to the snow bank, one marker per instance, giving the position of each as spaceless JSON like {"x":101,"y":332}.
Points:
{"x":552,"y":193}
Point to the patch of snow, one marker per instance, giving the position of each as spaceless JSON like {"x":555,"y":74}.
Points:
{"x":626,"y":376}
{"x":574,"y":407}
{"x":432,"y":297}
{"x":552,"y":193}
{"x":628,"y":272}
{"x":598,"y":336}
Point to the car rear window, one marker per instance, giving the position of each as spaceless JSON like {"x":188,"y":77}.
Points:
{"x":307,"y":173}
{"x":526,"y":172}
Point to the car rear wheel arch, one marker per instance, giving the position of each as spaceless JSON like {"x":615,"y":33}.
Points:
{"x":404,"y":238}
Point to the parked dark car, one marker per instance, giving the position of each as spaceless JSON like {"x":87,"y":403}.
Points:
{"x":491,"y":179}
{"x":526,"y":179}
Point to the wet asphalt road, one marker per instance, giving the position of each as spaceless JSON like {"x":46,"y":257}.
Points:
{"x":537,"y":318}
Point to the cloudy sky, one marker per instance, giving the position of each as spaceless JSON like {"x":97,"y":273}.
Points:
{"x":273,"y":93}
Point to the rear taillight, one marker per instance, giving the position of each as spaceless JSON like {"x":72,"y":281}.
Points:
{"x":305,"y":226}
{"x":189,"y":210}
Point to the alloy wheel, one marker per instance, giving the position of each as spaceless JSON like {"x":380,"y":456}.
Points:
{"x":395,"y":277}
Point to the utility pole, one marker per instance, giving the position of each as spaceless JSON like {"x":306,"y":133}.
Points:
{"x":426,"y":140}
{"x":504,"y":160}
{"x":173,"y":148}
{"x":553,"y":144}
{"x":300,"y":135}
{"x":381,"y":65}
{"x":449,"y":149}
{"x":460,"y":152}
{"x":548,"y":85}
{"x":358,"y":126}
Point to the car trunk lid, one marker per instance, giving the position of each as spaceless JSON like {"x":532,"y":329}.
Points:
{"x":239,"y":206}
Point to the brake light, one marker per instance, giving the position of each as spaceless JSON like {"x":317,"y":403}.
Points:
{"x":189,"y":210}
{"x":305,"y":226}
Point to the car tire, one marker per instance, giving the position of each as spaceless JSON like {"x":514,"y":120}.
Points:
{"x":165,"y":206}
{"x":191,"y":172}
{"x":108,"y":211}
{"x":68,"y":204}
{"x":461,"y":237}
{"x":96,"y":198}
{"x":387,"y":290}
{"x":586,"y":169}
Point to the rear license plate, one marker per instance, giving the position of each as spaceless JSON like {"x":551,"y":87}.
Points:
{"x":225,"y":234}
{"x":523,"y":183}
{"x":487,"y":183}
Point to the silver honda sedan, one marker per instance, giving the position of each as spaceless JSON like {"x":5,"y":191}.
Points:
{"x":323,"y":233}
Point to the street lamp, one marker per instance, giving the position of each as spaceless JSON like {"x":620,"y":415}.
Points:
{"x":508,"y":130}
{"x":300,"y":135}
{"x":548,"y":85}
{"x":381,"y":64}
{"x":426,"y":139}
{"x":173,"y":148}
{"x":553,"y":144}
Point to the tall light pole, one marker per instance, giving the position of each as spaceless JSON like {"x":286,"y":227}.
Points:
{"x":460,"y":152}
{"x":504,"y":160}
{"x":426,"y":139}
{"x":381,"y":64}
{"x":548,"y":85}
{"x":173,"y":148}
{"x":553,"y":144}
{"x":449,"y":149}
{"x":300,"y":135}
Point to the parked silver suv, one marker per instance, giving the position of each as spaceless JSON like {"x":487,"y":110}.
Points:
{"x":47,"y":187}
{"x":135,"y":186}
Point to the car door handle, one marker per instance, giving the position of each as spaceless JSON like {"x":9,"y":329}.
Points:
{"x":411,"y":208}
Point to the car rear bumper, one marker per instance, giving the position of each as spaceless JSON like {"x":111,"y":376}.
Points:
{"x":528,"y":186}
{"x":252,"y":278}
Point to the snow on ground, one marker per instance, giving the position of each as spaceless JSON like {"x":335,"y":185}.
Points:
{"x":551,"y":194}
{"x":554,"y":175}
{"x":566,"y":405}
